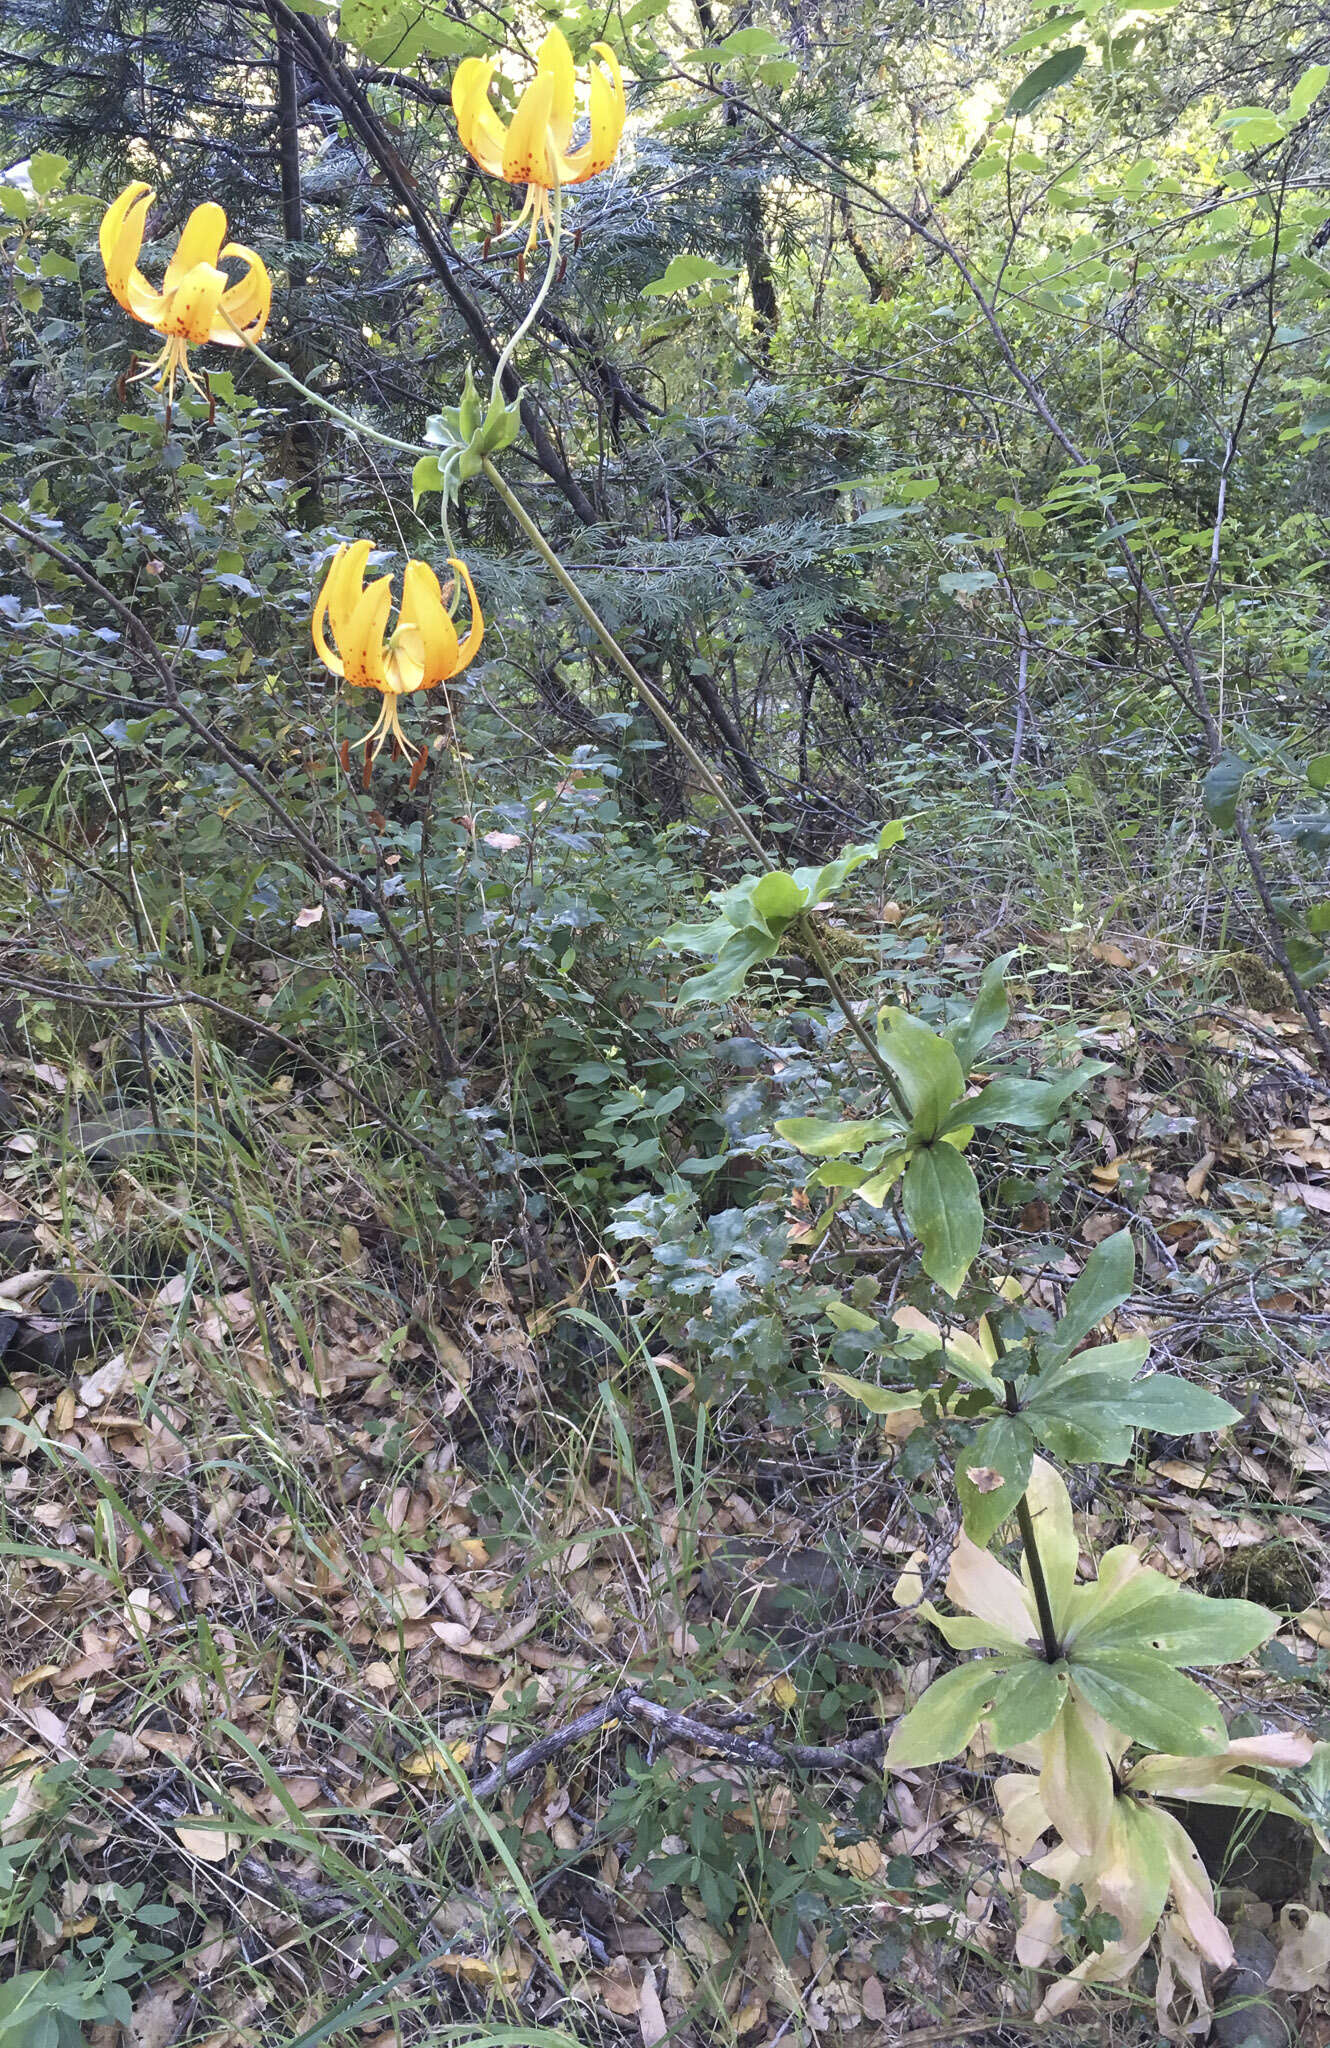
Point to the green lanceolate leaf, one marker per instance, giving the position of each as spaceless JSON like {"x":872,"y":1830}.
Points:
{"x":1027,"y":1703}
{"x":1176,"y":1624}
{"x":1162,"y":1401}
{"x":1055,"y":71}
{"x":1105,"y":1283}
{"x":1144,"y":1697}
{"x":926,"y":1067}
{"x":943,"y":1209}
{"x":993,"y":1474}
{"x":879,"y":1184}
{"x":1221,"y":790}
{"x":819,"y":1137}
{"x":943,"y":1721}
{"x":877,"y":1400}
{"x":988,"y":1014}
{"x":1024,"y":1105}
{"x":1076,"y":1419}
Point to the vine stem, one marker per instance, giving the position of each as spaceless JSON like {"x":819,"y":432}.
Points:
{"x":664,"y":718}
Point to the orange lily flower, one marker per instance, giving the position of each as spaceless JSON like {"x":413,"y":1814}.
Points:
{"x":423,"y":649}
{"x":532,"y":150}
{"x":197,"y":302}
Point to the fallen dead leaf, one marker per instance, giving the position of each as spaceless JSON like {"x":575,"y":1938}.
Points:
{"x":207,"y":1844}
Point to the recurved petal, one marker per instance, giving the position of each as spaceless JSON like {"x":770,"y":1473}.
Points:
{"x":121,"y":238}
{"x":526,"y":149}
{"x":478,"y":126}
{"x":470,"y":647}
{"x":200,"y":241}
{"x":319,"y":620}
{"x":423,"y":609}
{"x":555,"y":61}
{"x":191,"y":308}
{"x":343,"y":587}
{"x":362,"y":644}
{"x":609,"y":110}
{"x":248,"y":302}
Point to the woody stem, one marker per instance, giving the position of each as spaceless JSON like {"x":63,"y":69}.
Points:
{"x":803,"y":924}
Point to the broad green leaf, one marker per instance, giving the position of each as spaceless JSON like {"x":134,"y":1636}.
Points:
{"x":1318,"y":769}
{"x":818,"y":1137}
{"x":926,"y":1067}
{"x":1077,"y":1420}
{"x":1027,"y":1703}
{"x":426,"y":476}
{"x":838,"y":1173}
{"x":1221,"y":790}
{"x":47,"y":170}
{"x":847,"y":1318}
{"x":943,"y":1721}
{"x":993,"y":1473}
{"x":1174,"y":1623}
{"x":721,"y":983}
{"x":740,"y":42}
{"x":943,"y":1209}
{"x":878,"y":1186}
{"x":1105,"y":1282}
{"x":1055,"y":71}
{"x":988,"y":1013}
{"x":877,"y":1400}
{"x":778,"y":898}
{"x":1025,"y":1105}
{"x":1164,"y":1402}
{"x":1308,"y":90}
{"x":1145,"y":1698}
{"x":682,"y":272}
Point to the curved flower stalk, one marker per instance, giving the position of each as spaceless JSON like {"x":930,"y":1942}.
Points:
{"x":1132,"y":1859}
{"x":422,"y":651}
{"x":197,"y":302}
{"x":533,"y":149}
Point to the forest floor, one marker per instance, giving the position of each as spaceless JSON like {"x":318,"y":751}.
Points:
{"x":353,"y":1675}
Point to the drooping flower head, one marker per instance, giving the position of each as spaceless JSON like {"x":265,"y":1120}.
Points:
{"x":197,"y":302}
{"x":533,"y":149}
{"x":423,"y":649}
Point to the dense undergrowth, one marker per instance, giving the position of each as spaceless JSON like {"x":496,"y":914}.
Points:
{"x":477,"y":1471}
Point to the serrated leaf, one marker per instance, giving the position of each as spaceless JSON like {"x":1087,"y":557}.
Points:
{"x":942,"y":1722}
{"x":1146,"y":1699}
{"x":942,"y":1208}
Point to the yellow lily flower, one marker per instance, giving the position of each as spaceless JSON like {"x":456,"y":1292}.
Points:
{"x":532,"y":150}
{"x":422,"y":651}
{"x":197,"y":302}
